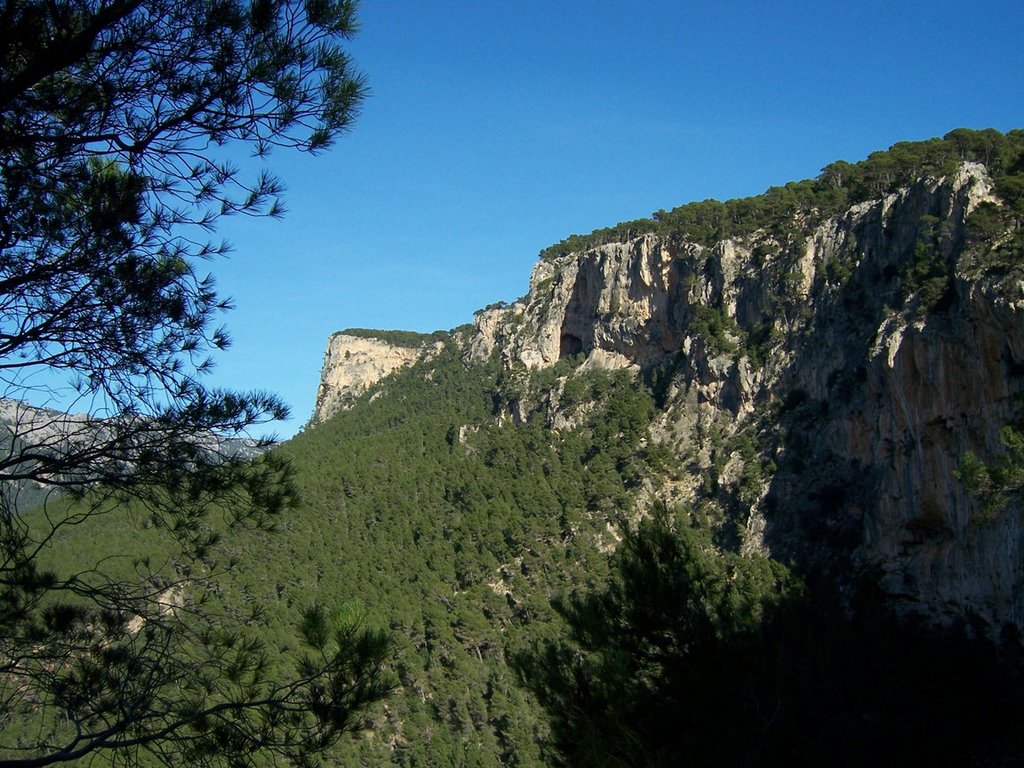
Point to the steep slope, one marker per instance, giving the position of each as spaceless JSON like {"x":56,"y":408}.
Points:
{"x":799,"y":377}
{"x":807,"y":386}
{"x":358,"y":358}
{"x":858,"y":356}
{"x":430,"y":516}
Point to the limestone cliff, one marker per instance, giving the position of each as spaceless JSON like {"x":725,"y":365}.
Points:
{"x":355,"y":360}
{"x":819,"y":379}
{"x":859,"y":378}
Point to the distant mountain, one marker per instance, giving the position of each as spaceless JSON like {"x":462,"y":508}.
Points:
{"x":26,"y":430}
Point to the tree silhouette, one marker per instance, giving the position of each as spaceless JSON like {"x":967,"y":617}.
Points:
{"x":113,"y":118}
{"x":695,"y":657}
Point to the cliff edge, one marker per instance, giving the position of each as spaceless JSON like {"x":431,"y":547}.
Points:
{"x":820,"y":377}
{"x":356,"y":359}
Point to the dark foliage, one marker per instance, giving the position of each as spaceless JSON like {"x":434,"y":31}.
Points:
{"x":112,"y":116}
{"x":839,"y":185}
{"x":409,"y":339}
{"x":689,"y":657}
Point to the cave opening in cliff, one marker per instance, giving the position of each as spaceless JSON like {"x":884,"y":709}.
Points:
{"x":569,"y":345}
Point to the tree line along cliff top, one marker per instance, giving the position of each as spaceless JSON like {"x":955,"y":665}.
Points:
{"x":839,"y":185}
{"x":409,"y":339}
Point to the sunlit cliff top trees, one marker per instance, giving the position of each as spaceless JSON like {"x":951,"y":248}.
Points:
{"x":840,"y":184}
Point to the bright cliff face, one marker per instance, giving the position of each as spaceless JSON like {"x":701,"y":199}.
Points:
{"x":353,"y":364}
{"x":820,"y":380}
{"x":862,"y":401}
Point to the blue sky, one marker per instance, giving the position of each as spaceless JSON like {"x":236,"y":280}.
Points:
{"x":494,"y":129}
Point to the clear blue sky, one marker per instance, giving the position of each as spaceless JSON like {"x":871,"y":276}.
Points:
{"x":494,"y":129}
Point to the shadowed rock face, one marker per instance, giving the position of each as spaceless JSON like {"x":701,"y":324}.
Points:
{"x":620,"y":298}
{"x":569,"y":345}
{"x":863,"y":401}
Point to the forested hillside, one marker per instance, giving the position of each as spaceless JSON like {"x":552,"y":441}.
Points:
{"x":484,"y":548}
{"x":455,"y":532}
{"x":716,"y":521}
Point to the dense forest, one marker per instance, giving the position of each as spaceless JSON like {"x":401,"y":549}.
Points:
{"x":547,"y":607}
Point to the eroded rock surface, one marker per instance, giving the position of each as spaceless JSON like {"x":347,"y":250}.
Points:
{"x":353,"y":364}
{"x":821,"y":389}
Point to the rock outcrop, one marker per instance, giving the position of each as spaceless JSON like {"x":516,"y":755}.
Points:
{"x":819,"y":382}
{"x":814,"y":343}
{"x":354,"y":363}
{"x":616,"y":303}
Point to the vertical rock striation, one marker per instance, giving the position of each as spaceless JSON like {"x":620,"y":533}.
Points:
{"x":861,"y":384}
{"x":819,"y":381}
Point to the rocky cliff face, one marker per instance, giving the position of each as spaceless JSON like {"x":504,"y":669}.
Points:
{"x":820,"y":383}
{"x":354,"y":363}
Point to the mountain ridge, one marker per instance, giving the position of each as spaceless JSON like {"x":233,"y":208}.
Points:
{"x":845,"y":311}
{"x":749,"y":499}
